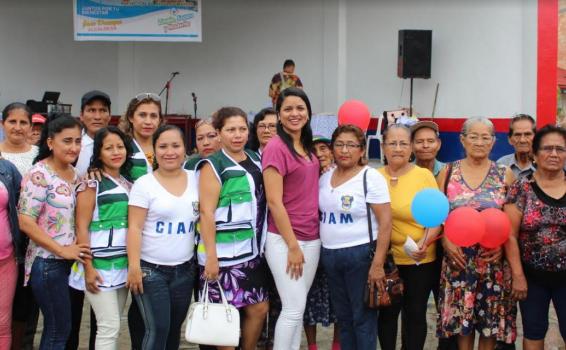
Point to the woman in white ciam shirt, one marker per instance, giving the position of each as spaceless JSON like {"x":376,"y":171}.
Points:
{"x":160,"y":241}
{"x":346,"y":242}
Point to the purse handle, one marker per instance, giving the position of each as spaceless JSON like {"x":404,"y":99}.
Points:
{"x":368,"y":210}
{"x":207,"y":299}
{"x":224,"y":301}
{"x":368,"y":214}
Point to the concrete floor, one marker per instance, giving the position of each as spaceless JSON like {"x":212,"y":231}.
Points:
{"x":553,"y":338}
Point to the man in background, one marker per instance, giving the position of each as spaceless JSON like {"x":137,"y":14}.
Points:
{"x":282,"y":80}
{"x":426,"y":144}
{"x":37,"y":124}
{"x":521,"y":133}
{"x":95,"y":115}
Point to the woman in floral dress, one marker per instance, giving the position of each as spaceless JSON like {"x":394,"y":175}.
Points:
{"x":475,"y":281}
{"x":46,"y":215}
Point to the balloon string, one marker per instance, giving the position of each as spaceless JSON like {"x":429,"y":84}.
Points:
{"x":425,"y":237}
{"x":435,"y":239}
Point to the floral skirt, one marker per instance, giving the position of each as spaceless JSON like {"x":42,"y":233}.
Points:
{"x":477,"y":298}
{"x":319,"y":309}
{"x":243,"y":284}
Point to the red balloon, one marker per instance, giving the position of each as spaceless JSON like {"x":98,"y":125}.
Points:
{"x":354,"y":112}
{"x":497,"y":228}
{"x":464,"y":226}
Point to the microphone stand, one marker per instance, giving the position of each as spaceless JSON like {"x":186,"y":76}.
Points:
{"x":194,"y":104}
{"x":167,"y":87}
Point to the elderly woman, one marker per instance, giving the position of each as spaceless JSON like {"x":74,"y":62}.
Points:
{"x":350,"y":197}
{"x":475,"y":284}
{"x":536,"y":250}
{"x":416,"y":268}
{"x":319,"y":308}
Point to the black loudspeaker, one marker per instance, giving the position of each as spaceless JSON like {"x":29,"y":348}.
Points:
{"x":414,"y":56}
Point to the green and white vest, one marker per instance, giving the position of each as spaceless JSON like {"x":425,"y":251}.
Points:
{"x":236,"y":215}
{"x":191,"y":162}
{"x":140,"y":164}
{"x":107,"y":230}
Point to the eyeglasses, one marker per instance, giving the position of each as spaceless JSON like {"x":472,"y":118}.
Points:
{"x":148,"y":96}
{"x":398,"y":144}
{"x":474,"y":138}
{"x":548,"y":149}
{"x":271,"y":127}
{"x":349,"y":146}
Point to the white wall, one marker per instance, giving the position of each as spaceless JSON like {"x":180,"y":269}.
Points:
{"x":37,"y":53}
{"x":477,"y":55}
{"x":483,"y":55}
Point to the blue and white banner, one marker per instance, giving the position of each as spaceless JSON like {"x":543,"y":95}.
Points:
{"x":138,"y":20}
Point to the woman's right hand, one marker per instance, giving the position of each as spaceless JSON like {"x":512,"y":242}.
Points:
{"x":75,"y":251}
{"x":92,"y":279}
{"x":135,"y":279}
{"x":93,"y":174}
{"x":455,"y":256}
{"x":211,"y":269}
{"x":295,"y":261}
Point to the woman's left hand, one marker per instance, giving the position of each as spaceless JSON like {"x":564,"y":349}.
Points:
{"x":492,"y":255}
{"x":519,"y":287}
{"x":376,"y":277}
{"x":421,"y":253}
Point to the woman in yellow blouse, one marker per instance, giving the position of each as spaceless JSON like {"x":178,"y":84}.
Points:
{"x":410,"y":243}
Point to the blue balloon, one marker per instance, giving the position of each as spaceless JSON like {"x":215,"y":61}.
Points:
{"x":430,"y":207}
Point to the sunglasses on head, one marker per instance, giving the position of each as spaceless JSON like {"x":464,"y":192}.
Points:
{"x":148,"y":96}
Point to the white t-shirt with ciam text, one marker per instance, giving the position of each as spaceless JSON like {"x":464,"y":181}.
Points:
{"x":343,"y":213}
{"x":168,"y":234}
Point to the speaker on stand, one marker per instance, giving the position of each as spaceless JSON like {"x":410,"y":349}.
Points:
{"x":414,"y":57}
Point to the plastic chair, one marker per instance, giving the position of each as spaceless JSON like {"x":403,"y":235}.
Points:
{"x":377,"y":137}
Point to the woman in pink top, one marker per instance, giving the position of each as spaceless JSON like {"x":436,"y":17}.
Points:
{"x":10,"y":246}
{"x":291,"y":182}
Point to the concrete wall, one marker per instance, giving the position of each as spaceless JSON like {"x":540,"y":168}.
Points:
{"x":483,"y":55}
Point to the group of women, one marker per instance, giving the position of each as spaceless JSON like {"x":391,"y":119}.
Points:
{"x":268,"y":221}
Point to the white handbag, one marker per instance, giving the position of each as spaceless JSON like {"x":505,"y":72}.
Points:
{"x":213,"y":323}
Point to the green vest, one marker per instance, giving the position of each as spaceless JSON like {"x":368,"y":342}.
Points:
{"x":191,"y":162}
{"x":140,"y":164}
{"x":107,"y":231}
{"x":236,"y":213}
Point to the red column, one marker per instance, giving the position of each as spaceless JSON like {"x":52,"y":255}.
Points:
{"x":547,"y":53}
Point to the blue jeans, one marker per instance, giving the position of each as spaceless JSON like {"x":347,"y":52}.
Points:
{"x":347,"y":270}
{"x":49,"y":282}
{"x":167,"y":292}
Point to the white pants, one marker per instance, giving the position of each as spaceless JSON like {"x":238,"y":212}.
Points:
{"x":293,"y":293}
{"x":108,"y":307}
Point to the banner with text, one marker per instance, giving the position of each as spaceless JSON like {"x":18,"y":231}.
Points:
{"x":138,"y":20}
